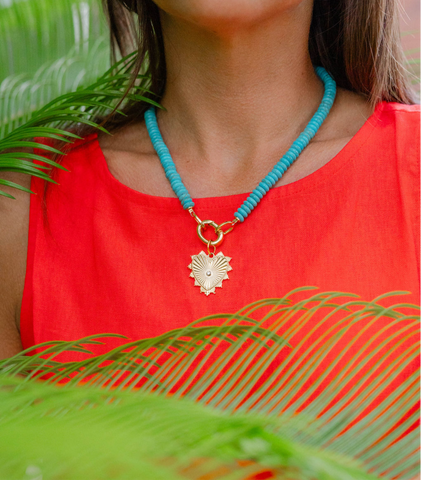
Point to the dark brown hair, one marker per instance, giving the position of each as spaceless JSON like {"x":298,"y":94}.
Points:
{"x":357,"y":41}
{"x":135,"y":25}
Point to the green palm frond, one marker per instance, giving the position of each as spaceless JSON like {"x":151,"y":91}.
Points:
{"x":51,"y":49}
{"x":57,"y":118}
{"x":278,"y":359}
{"x":38,"y":32}
{"x":22,"y":95}
{"x":76,"y":433}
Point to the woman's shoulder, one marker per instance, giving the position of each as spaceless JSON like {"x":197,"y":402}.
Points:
{"x":14,"y":212}
{"x":406,"y":123}
{"x":397,"y":135}
{"x":14,"y":222}
{"x":77,"y":147}
{"x":405,"y":119}
{"x":399,"y":108}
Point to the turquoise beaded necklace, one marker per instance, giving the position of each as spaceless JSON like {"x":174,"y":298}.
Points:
{"x":209,"y":270}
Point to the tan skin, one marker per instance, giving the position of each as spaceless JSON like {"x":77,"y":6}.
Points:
{"x":240,"y":89}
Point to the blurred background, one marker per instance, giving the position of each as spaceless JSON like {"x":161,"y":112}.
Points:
{"x":47,"y":48}
{"x":410,"y":30}
{"x":50,"y":47}
{"x":410,"y":22}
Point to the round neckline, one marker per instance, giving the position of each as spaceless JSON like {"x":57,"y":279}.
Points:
{"x":310,"y":181}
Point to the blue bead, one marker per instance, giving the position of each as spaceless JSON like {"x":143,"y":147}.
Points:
{"x":183,"y":193}
{"x":255,"y":198}
{"x":264,"y":186}
{"x":247,"y":208}
{"x":279,"y":170}
{"x":259,"y":191}
{"x":243,"y":212}
{"x":272,"y":177}
{"x":252,"y":200}
{"x":294,"y":152}
{"x":188,"y":204}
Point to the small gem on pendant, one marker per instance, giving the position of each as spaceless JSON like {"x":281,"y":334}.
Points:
{"x":208,"y":273}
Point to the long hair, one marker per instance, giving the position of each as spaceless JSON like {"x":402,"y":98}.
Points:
{"x":135,"y":26}
{"x":356,"y":41}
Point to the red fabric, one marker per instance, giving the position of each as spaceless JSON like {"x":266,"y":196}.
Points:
{"x":115,"y":260}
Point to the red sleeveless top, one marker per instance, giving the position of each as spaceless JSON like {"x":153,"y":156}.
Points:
{"x":111,"y":259}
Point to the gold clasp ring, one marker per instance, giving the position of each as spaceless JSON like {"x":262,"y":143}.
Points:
{"x":220,"y":233}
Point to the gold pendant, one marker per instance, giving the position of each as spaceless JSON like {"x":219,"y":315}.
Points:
{"x":209,"y":271}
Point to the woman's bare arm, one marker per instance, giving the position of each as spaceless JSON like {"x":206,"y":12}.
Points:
{"x":14,"y":221}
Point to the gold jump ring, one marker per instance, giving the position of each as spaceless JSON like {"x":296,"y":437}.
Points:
{"x":220,"y":233}
{"x":228,"y":230}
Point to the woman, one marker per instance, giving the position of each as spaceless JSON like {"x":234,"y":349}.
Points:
{"x":238,"y":84}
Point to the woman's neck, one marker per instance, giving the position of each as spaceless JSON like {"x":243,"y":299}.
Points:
{"x":236,"y":90}
{"x":238,"y":94}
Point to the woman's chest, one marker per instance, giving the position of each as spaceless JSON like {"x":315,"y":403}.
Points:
{"x":124,"y":268}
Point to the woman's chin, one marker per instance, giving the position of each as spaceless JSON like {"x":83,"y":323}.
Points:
{"x":226,"y":14}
